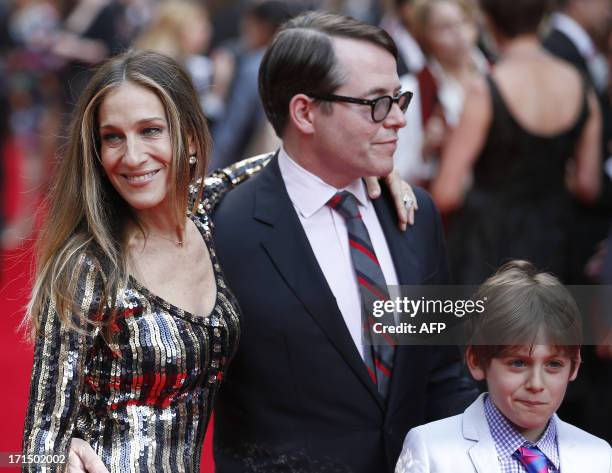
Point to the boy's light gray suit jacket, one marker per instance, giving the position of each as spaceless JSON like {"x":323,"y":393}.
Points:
{"x":463,"y":444}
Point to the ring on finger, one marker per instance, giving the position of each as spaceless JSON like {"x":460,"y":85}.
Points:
{"x":408,"y":201}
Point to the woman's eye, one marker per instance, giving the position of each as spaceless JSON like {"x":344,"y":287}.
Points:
{"x":556,"y":364}
{"x":111,"y":137}
{"x":516,"y":363}
{"x":151,"y":131}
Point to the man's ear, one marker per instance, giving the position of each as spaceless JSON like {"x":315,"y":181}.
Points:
{"x":477,"y":372}
{"x":577,"y":364}
{"x":301,"y":113}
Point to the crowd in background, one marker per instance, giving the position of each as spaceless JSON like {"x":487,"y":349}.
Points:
{"x":447,"y":56}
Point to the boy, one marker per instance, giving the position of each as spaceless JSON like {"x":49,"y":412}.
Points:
{"x":526,"y":345}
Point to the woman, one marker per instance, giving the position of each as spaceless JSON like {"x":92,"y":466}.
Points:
{"x":133,"y":321}
{"x":182,"y":30}
{"x":527,"y":124}
{"x":447,"y":33}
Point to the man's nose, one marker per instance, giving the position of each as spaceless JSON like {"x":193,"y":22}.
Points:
{"x":396,"y":118}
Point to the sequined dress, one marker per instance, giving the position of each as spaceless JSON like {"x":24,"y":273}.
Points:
{"x":143,"y":400}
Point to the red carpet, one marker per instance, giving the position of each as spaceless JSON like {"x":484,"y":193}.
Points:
{"x":15,"y":353}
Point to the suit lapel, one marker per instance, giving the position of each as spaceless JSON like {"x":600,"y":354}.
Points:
{"x":289,"y":249}
{"x":569,"y":454}
{"x":475,"y":427}
{"x":579,"y":60}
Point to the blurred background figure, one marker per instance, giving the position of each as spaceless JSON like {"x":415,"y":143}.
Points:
{"x":182,"y":30}
{"x":31,"y":113}
{"x":575,"y":28}
{"x":447,"y":32}
{"x":525,"y":123}
{"x":5,"y":43}
{"x":243,"y":130}
{"x":578,"y":32}
{"x":399,"y":24}
{"x":53,"y":44}
{"x":89,"y":32}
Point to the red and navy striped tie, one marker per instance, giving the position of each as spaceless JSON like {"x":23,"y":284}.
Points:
{"x":378,"y":354}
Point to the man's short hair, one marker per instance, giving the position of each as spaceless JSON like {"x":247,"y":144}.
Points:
{"x":524,"y":307}
{"x":400,"y":3}
{"x":515,"y":17}
{"x":301,"y":59}
{"x":271,"y":12}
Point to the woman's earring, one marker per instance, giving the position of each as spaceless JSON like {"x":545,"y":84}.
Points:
{"x":192,"y":159}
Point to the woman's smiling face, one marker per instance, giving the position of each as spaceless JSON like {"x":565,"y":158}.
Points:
{"x":136,"y":147}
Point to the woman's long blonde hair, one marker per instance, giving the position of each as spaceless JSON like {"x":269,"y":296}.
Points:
{"x":84,"y":212}
{"x":166,"y":33}
{"x":423,"y":9}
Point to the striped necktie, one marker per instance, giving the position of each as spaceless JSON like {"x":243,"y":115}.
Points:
{"x":378,"y":357}
{"x":532,"y":458}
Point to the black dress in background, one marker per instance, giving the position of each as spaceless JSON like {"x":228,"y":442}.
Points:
{"x":518,"y":206}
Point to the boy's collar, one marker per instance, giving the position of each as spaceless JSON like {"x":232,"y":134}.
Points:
{"x":507,"y":439}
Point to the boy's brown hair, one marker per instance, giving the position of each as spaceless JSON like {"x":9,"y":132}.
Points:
{"x":524,"y":306}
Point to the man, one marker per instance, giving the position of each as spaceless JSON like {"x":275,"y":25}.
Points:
{"x":410,"y":58}
{"x":243,"y":121}
{"x":573,"y":28}
{"x":306,"y":391}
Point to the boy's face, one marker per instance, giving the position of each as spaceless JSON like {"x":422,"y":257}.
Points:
{"x":527,"y":387}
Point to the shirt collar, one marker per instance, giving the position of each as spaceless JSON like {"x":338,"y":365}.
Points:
{"x":508,"y":440}
{"x":309,"y":192}
{"x":575,"y":33}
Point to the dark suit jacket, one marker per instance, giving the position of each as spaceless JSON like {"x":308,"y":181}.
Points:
{"x":297,"y":393}
{"x":557,"y":43}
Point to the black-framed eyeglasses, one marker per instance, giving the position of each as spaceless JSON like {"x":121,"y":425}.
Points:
{"x":380,"y":106}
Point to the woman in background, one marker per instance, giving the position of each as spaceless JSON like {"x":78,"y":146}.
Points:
{"x":530,"y":136}
{"x":447,"y":33}
{"x":182,"y":30}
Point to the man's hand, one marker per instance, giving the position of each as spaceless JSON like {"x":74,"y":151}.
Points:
{"x":403,"y":196}
{"x":83,"y":459}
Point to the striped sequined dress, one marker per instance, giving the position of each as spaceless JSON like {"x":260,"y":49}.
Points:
{"x":142,"y":401}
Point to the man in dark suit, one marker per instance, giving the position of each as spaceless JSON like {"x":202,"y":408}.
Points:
{"x":302,"y":248}
{"x":570,"y":37}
